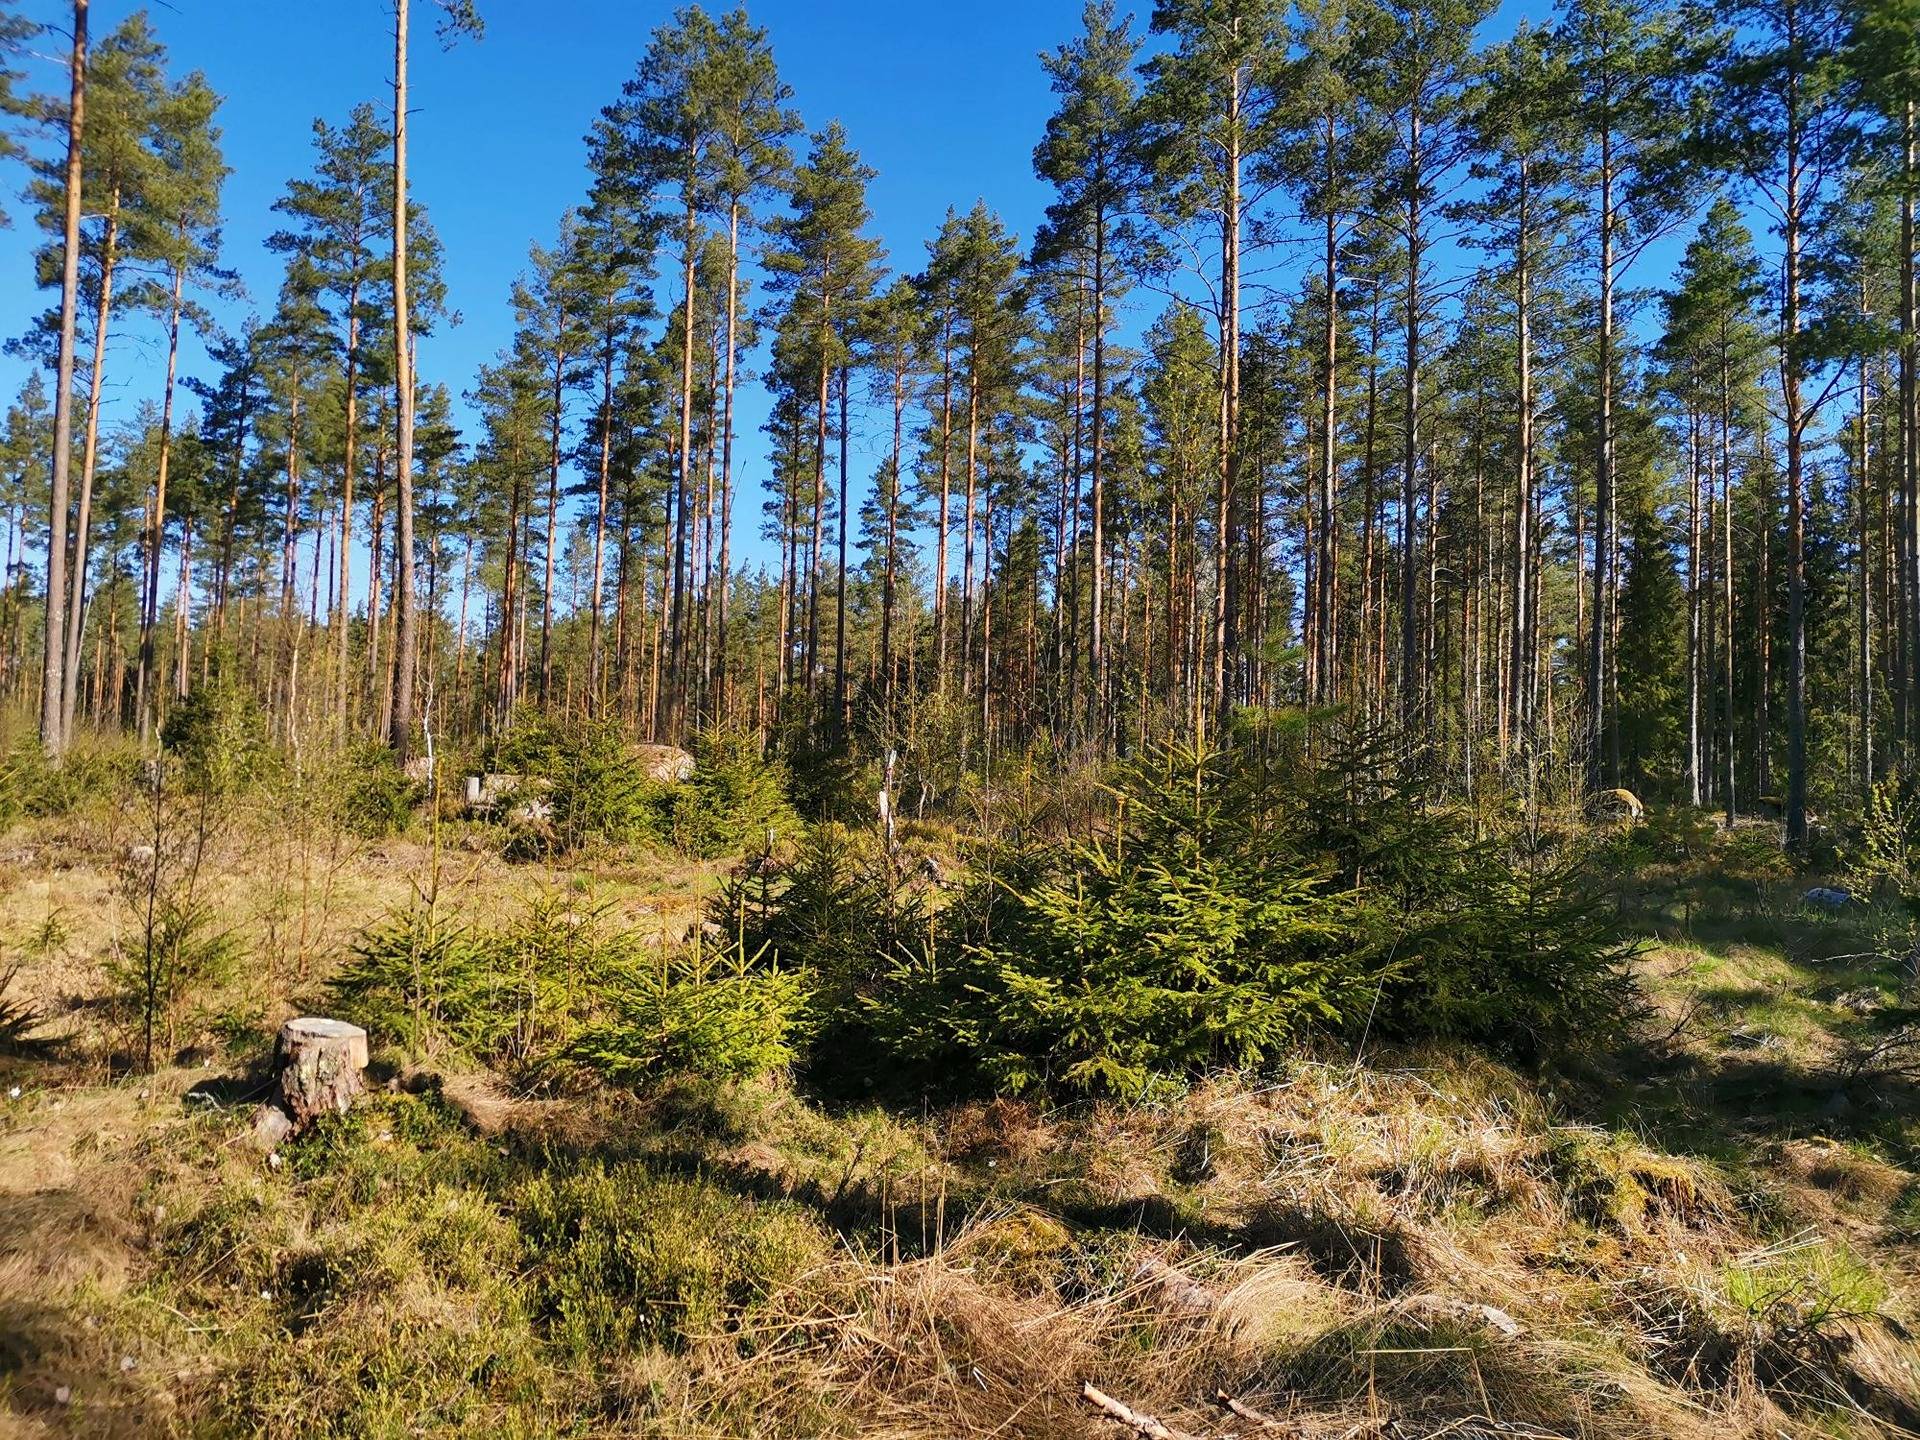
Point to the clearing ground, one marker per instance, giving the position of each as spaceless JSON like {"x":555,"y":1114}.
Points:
{"x":1709,"y":1236}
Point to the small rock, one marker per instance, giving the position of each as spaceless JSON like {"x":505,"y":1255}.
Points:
{"x":126,"y":1364}
{"x":1838,"y":1103}
{"x":62,"y":1394}
{"x":13,"y":1093}
{"x":666,"y":764}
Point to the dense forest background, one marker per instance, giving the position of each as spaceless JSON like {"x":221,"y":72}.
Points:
{"x":1549,"y":402}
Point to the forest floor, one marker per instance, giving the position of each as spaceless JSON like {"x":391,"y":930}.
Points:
{"x":1710,"y":1235}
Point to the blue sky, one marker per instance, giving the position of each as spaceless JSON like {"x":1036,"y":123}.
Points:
{"x":945,"y":102}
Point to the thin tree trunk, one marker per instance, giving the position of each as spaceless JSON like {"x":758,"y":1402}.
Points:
{"x":157,"y":528}
{"x":595,"y":668}
{"x":53,"y":730}
{"x":404,"y":641}
{"x":83,"y":509}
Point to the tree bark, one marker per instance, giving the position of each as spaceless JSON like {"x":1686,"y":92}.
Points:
{"x":53,"y":730}
{"x":157,"y":527}
{"x":400,"y":735}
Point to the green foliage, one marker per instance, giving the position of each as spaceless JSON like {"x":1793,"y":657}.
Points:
{"x":736,"y":799}
{"x":594,"y":790}
{"x":219,"y":734}
{"x":621,"y":1257}
{"x":1169,"y":945}
{"x":33,"y":787}
{"x":513,"y":993}
{"x":178,"y":945}
{"x":1810,"y":1288}
{"x":376,"y":797}
{"x":598,"y":794}
{"x":835,"y":913}
{"x":688,"y":1013}
{"x":1885,"y":857}
{"x":1506,"y":940}
{"x":842,"y":917}
{"x":529,"y":745}
{"x":1236,"y":902}
{"x":1516,"y":948}
{"x":1665,"y":835}
{"x":181,"y":951}
{"x":422,"y":980}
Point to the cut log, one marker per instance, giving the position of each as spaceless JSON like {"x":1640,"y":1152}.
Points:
{"x":320,"y":1067}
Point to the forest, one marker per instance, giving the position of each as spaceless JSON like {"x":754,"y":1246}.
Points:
{"x":1548,"y":400}
{"x":1287,"y":806}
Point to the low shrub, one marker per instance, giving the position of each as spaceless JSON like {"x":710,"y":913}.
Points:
{"x":219,"y":733}
{"x":591,"y":792}
{"x":1235,"y":902}
{"x":512,"y":993}
{"x":598,"y":794}
{"x":34,"y":787}
{"x":376,"y":797}
{"x":1168,"y":945}
{"x":690,"y":1013}
{"x":736,"y":799}
{"x":1884,"y":856}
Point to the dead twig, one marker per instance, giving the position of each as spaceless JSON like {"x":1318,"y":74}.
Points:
{"x":1252,"y":1416}
{"x":1135,"y":1420}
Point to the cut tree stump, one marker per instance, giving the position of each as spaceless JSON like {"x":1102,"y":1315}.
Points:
{"x":318,"y":1065}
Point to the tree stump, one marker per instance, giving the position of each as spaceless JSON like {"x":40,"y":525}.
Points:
{"x":318,"y":1066}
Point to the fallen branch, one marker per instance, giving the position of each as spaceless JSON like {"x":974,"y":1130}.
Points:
{"x":1249,"y":1414}
{"x":1134,"y":1420}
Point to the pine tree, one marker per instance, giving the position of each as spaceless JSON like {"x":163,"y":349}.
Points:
{"x":339,"y":216}
{"x":978,"y":265}
{"x":53,"y":730}
{"x":613,"y":251}
{"x":829,"y":269}
{"x":24,"y":448}
{"x":1632,"y":65}
{"x":1421,"y":60}
{"x":184,"y":212}
{"x":1211,"y":105}
{"x":553,"y":337}
{"x":1519,"y":137}
{"x":1788,"y":129}
{"x":16,"y":31}
{"x":1089,"y":155}
{"x":1329,"y":152}
{"x":459,"y":17}
{"x":125,"y":92}
{"x":898,"y":351}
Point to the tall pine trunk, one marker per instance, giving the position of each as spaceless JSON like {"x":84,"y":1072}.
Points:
{"x":405,"y":644}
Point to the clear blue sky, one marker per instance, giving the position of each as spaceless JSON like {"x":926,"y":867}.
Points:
{"x":946,"y":102}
